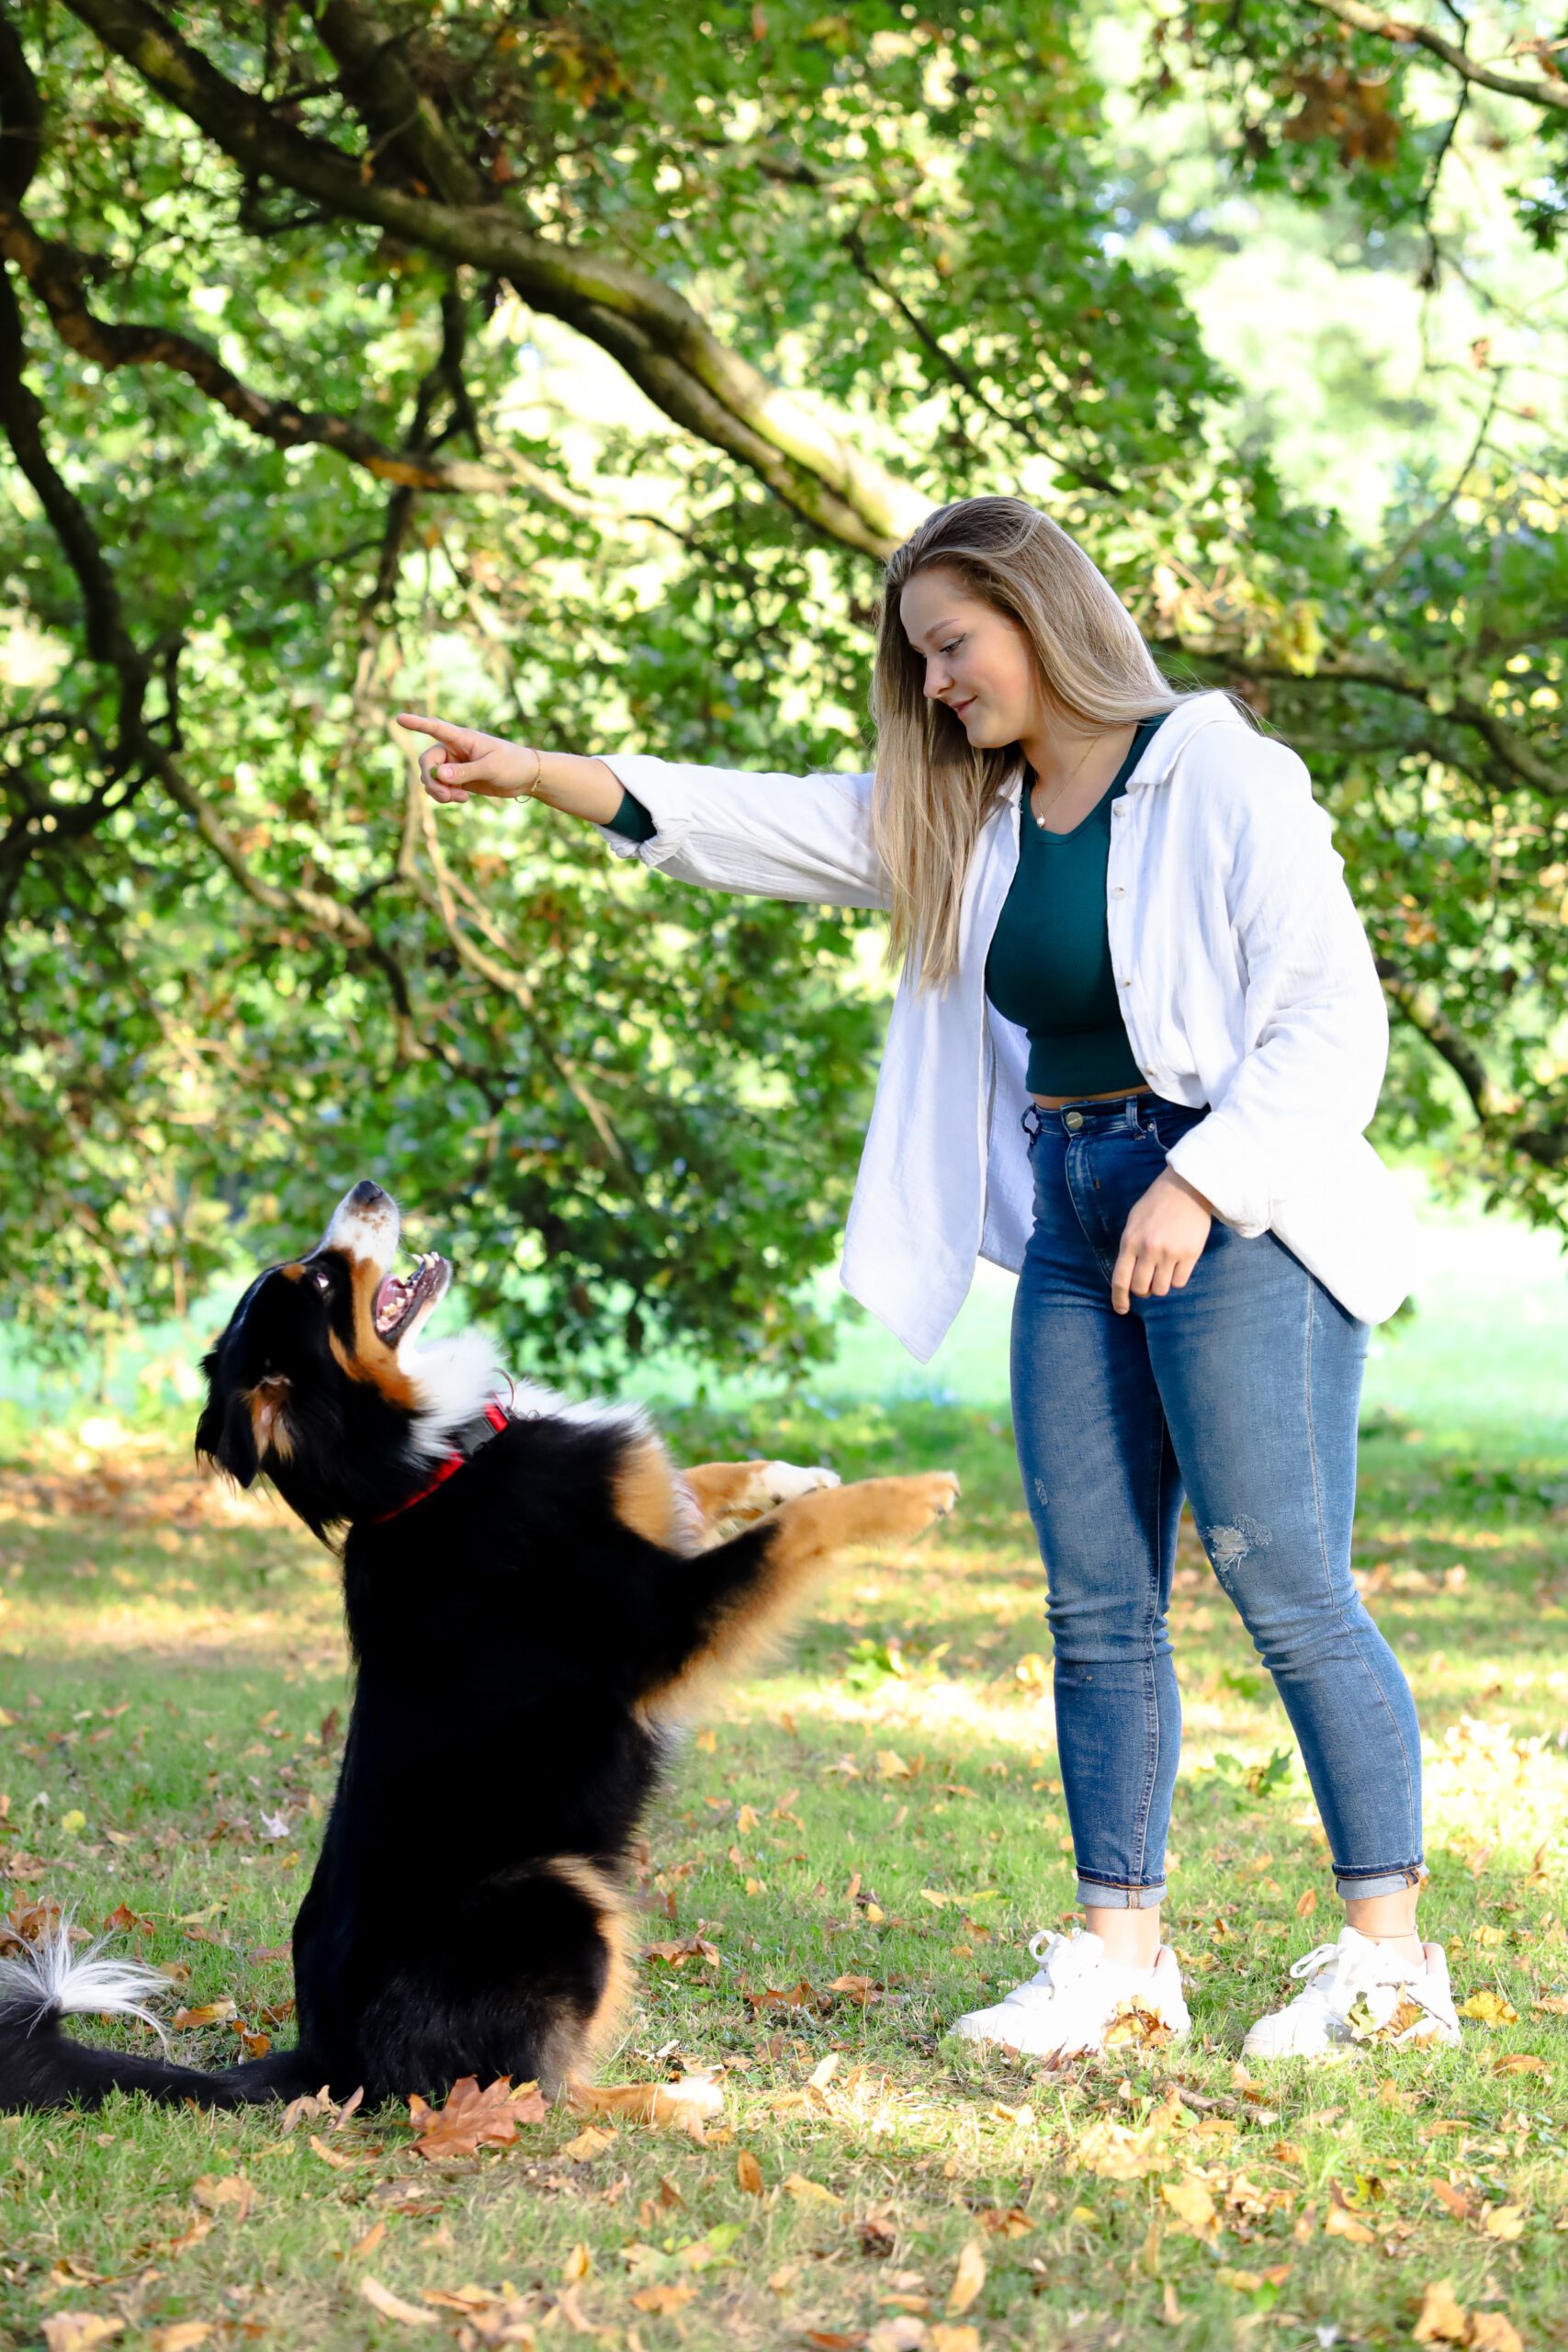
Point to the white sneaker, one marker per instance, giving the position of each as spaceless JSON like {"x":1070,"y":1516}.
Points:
{"x":1076,"y":1995}
{"x":1356,"y":1989}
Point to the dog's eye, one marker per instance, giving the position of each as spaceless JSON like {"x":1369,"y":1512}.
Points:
{"x":320,"y":1277}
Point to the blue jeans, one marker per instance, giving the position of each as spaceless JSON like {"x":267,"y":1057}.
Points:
{"x":1240,"y":1390}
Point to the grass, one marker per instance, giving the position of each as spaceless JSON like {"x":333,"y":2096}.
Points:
{"x":855,"y":1850}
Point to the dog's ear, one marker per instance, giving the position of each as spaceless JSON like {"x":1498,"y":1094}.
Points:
{"x":226,"y":1432}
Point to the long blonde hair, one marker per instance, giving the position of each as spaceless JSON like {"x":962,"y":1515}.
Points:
{"x":933,"y":792}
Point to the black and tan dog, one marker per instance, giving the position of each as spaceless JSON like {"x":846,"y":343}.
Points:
{"x":535,"y":1597}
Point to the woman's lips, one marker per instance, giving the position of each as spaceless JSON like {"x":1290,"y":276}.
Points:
{"x":960,"y":707}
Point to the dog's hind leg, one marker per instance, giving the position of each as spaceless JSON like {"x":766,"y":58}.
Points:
{"x":723,"y":1609}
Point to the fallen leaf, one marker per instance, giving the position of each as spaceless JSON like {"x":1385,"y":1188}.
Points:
{"x":1442,"y":2319}
{"x":74,"y":2330}
{"x":747,"y":2173}
{"x":968,"y":2280}
{"x":224,"y":2192}
{"x":663,"y":2299}
{"x":1005,"y":2221}
{"x":370,"y":2241}
{"x":1504,"y":2222}
{"x":183,"y":2337}
{"x":393,"y":2306}
{"x":331,"y":2156}
{"x":1493,"y":2332}
{"x":1490,"y":2008}
{"x":809,"y":2192}
{"x":944,"y":2338}
{"x":472,"y":2117}
{"x":1340,"y":2222}
{"x":1191,"y":2206}
{"x":210,"y":2013}
{"x":590,"y":2141}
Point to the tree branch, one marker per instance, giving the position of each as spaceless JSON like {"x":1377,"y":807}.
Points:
{"x":53,"y":272}
{"x":664,"y":345}
{"x":1544,"y":93}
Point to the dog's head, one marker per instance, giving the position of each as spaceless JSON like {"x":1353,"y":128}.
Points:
{"x":317,"y":1383}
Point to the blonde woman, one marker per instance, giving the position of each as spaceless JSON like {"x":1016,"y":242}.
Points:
{"x":1123,"y":930}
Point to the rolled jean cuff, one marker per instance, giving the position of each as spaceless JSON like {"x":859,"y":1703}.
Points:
{"x":1107,"y":1897}
{"x":1356,"y":1883}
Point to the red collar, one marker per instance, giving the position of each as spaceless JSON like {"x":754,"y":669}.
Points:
{"x":447,"y":1469}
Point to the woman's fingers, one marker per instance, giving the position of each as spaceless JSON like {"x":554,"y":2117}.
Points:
{"x":458,"y":738}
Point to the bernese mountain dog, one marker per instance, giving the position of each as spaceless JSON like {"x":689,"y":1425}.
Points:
{"x":535,"y":1599}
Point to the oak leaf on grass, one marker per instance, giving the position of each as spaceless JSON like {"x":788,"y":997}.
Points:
{"x":473,"y":2118}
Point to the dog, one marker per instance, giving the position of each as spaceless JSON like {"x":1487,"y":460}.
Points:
{"x":536,"y":1602}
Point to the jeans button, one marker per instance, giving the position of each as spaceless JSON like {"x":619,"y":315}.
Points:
{"x":1074,"y":1118}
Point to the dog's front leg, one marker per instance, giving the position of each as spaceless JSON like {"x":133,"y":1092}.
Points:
{"x":720,"y":1610}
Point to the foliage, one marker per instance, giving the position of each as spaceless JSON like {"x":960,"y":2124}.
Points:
{"x":286,"y":446}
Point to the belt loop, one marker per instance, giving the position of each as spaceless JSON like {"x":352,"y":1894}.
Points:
{"x":1130,"y":1112}
{"x":1031,"y":1113}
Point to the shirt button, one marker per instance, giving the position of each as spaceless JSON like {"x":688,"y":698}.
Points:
{"x":1118,"y":890}
{"x":1126,"y":983}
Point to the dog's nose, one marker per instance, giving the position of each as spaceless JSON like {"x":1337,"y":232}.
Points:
{"x":365,"y":1192}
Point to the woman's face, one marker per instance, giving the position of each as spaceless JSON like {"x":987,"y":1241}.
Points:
{"x":978,"y":662}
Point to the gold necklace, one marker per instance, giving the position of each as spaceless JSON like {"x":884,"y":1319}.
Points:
{"x":1062,"y":786}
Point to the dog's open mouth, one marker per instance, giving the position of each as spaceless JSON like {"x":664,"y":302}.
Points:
{"x":402,"y":1299}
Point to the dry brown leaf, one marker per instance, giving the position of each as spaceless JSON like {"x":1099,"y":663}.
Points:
{"x":1520,"y":2062}
{"x":370,"y":2241}
{"x":1138,"y":2028}
{"x":209,"y":2013}
{"x":968,"y":2278}
{"x":590,"y":2141}
{"x":1504,"y":2222}
{"x":74,"y":2330}
{"x":1455,"y":2199}
{"x":393,"y":2306}
{"x":1005,"y":2221}
{"x":1340,"y":2222}
{"x":685,"y":1948}
{"x":1493,"y":2332}
{"x":943,"y":2338}
{"x":663,"y":2299}
{"x":474,"y":2118}
{"x":747,"y":2173}
{"x":1191,"y":2206}
{"x":224,"y":2192}
{"x":1551,"y":2005}
{"x":331,"y":2156}
{"x":183,"y":2337}
{"x":807,"y":2192}
{"x":1442,"y":2319}
{"x":578,"y":2264}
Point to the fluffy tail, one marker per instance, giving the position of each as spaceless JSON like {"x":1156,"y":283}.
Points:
{"x":40,"y":2067}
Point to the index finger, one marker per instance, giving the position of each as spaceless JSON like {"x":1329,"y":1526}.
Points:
{"x":441,"y":729}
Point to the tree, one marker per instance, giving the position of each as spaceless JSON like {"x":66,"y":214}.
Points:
{"x":273,"y":282}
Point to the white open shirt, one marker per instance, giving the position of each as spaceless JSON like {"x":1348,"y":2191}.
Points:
{"x":1246,"y":979}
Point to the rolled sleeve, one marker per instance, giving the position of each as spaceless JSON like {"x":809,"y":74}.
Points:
{"x":1314,"y":1017}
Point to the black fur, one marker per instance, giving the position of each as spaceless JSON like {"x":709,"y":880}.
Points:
{"x":504,"y":1629}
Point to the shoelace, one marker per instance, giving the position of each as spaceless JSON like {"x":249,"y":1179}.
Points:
{"x":1338,"y":1992}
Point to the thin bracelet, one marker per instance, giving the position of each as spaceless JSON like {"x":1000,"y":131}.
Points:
{"x":531,"y":789}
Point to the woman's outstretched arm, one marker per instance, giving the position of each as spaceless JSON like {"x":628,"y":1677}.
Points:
{"x":761,"y":833}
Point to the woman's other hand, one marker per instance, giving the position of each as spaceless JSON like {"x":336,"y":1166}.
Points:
{"x":461,"y":762}
{"x":1161,"y":1242}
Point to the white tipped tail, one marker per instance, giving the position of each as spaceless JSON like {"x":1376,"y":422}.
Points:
{"x":50,"y":1979}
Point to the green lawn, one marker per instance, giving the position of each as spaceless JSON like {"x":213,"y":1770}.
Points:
{"x":856,"y":1849}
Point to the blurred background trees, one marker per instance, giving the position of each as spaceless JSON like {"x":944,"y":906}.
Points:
{"x":571,"y":370}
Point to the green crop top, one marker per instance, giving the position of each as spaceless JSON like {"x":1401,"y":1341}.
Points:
{"x":1049,"y":964}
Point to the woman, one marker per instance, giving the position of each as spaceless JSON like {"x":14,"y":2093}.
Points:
{"x":1119,"y":911}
